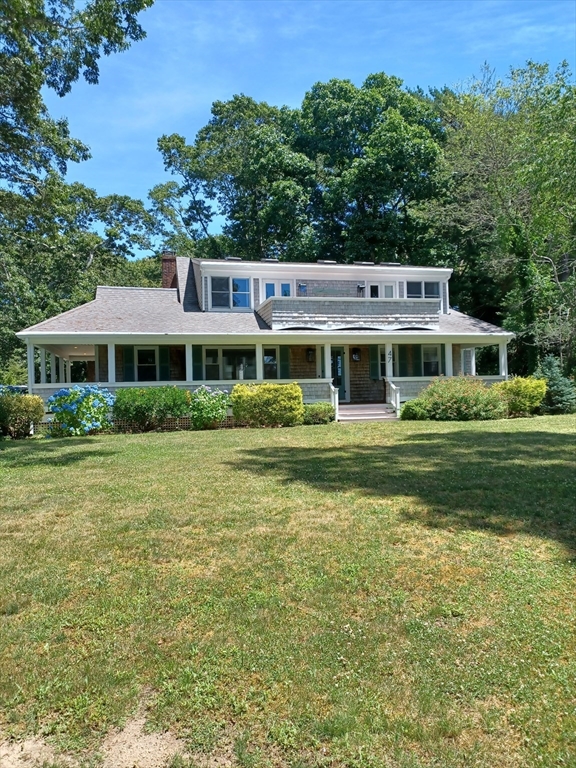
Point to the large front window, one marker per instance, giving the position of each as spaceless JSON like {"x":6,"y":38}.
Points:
{"x":229,"y":364}
{"x":418,"y":290}
{"x":270,"y":362}
{"x":430,"y":360}
{"x":230,"y":292}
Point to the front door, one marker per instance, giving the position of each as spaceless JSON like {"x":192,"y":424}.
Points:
{"x":338,"y":372}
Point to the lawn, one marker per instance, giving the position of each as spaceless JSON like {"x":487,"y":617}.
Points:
{"x":362,"y":595}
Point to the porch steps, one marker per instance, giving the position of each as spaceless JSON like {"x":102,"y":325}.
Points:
{"x":366,"y":412}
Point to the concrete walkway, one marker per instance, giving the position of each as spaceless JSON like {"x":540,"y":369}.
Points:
{"x":366,"y":412}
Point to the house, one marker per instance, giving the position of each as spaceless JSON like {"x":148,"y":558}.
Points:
{"x":356,"y":333}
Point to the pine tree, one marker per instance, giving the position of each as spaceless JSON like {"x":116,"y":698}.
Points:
{"x":561,"y":393}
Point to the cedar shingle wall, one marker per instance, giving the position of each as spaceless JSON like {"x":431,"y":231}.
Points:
{"x":300,"y":368}
{"x":178,"y":363}
{"x":363,"y":389}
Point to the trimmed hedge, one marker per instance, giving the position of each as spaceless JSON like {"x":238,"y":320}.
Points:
{"x":523,"y":396}
{"x":148,"y":408}
{"x":19,"y":413}
{"x":461,"y":398}
{"x":319,"y":413}
{"x":267,"y":405}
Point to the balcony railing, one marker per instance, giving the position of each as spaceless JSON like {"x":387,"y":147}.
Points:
{"x":335,"y":313}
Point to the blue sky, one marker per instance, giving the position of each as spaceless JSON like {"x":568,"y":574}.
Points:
{"x":198,"y":51}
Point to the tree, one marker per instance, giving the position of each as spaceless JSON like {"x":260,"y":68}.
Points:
{"x":508,"y":212}
{"x":51,"y":44}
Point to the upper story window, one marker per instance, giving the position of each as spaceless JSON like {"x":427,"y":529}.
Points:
{"x":277,"y":288}
{"x":230,"y":292}
{"x":421,"y":290}
{"x":381,"y":291}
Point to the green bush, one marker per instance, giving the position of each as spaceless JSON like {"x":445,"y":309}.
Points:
{"x":148,"y":408}
{"x":207,"y":407}
{"x":522,"y":395}
{"x":462,"y":398}
{"x":267,"y":405}
{"x":319,"y":413}
{"x":560,"y":392}
{"x":18,"y":413}
{"x":414,"y":410}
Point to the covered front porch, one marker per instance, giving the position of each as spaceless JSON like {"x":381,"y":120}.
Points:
{"x":346,"y":371}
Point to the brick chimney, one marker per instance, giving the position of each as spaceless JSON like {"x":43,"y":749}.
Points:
{"x":169,"y":278}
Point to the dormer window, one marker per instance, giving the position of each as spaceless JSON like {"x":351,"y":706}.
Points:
{"x":421,"y":290}
{"x":277,"y":288}
{"x":230,"y":292}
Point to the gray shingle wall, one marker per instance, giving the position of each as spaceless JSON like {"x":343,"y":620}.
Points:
{"x":256,"y":289}
{"x":445,"y":298}
{"x":319,"y":288}
{"x":349,"y":313}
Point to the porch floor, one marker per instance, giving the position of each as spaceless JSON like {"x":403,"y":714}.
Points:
{"x":366,"y":412}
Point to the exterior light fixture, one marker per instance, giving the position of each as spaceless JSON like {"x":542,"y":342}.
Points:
{"x":310,"y":355}
{"x":356,"y":354}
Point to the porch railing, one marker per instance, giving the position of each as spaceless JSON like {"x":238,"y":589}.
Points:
{"x":395,"y":397}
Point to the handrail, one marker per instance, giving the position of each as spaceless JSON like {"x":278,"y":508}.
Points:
{"x":334,"y":393}
{"x":395,"y":397}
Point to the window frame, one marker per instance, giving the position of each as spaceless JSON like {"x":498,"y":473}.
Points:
{"x":423,"y":289}
{"x":156,"y":362}
{"x":231,"y":308}
{"x":381,"y":286}
{"x":220,"y":349}
{"x":438,"y":348}
{"x":277,"y":283}
{"x":276,"y":348}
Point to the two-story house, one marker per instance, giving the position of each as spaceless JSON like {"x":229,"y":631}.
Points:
{"x":354,"y":333}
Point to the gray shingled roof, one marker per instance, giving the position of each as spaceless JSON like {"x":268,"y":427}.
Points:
{"x":171,"y":310}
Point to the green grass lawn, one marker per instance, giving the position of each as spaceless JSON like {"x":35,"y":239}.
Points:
{"x":396,"y":594}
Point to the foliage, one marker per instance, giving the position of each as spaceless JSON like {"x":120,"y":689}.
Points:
{"x":506,"y":220}
{"x":333,"y":178}
{"x":79,"y":410}
{"x":523,"y":396}
{"x":18,"y":413}
{"x":414,"y":410}
{"x":50,"y":45}
{"x":207,"y":407}
{"x":14,"y":372}
{"x":560,"y":392}
{"x":460,"y":398}
{"x":319,"y":413}
{"x":147,"y":408}
{"x":267,"y":405}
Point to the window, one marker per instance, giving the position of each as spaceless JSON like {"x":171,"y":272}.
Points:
{"x":146,"y":364}
{"x":229,"y":364}
{"x":384,"y":290}
{"x":430,"y":360}
{"x":431,"y":290}
{"x":270,"y":362}
{"x":230,"y":292}
{"x":276,"y":288}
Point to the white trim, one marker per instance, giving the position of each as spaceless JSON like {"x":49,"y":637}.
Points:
{"x":503,"y":359}
{"x":189,"y":363}
{"x":260,"y":361}
{"x":52,"y":368}
{"x":448,"y":358}
{"x":42,"y":366}
{"x":61,"y":370}
{"x":156,"y":364}
{"x":112,"y":362}
{"x":30,"y":367}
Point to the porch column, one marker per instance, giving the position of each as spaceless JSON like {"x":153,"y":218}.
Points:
{"x":503,"y":359}
{"x":189,"y":366}
{"x":328,"y":361}
{"x":61,"y":370}
{"x":42,"y":366}
{"x":319,"y":361}
{"x":473,"y":361}
{"x":448,"y":357}
{"x":259,"y":362}
{"x":389,"y":361}
{"x":111,"y":363}
{"x":31,"y":372}
{"x":52,"y":368}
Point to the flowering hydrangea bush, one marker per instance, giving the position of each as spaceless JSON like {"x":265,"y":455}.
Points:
{"x":207,"y":407}
{"x":80,"y":410}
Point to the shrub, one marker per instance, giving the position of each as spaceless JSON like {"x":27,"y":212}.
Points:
{"x":207,"y":407}
{"x":267,"y":405}
{"x":18,"y":413}
{"x":414,"y":410}
{"x":560,"y":394}
{"x":79,"y":410}
{"x":319,"y":413}
{"x":148,"y":408}
{"x":522,"y":395}
{"x":462,"y":398}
